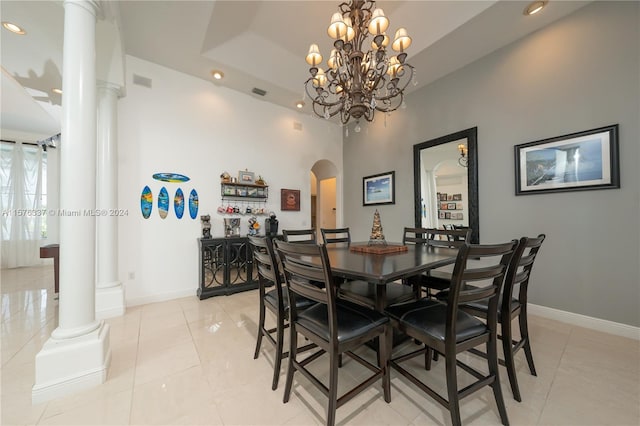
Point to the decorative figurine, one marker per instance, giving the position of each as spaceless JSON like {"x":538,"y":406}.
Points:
{"x":254,"y":226}
{"x":377,"y":237}
{"x":205,"y":222}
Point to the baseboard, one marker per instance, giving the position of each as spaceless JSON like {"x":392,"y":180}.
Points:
{"x":598,"y":324}
{"x":163,"y":297}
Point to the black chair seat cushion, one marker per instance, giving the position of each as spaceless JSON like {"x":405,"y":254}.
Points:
{"x":353,"y":320}
{"x":429,"y":317}
{"x":271,"y":298}
{"x":366,"y":292}
{"x":436,"y":280}
{"x":483,"y":305}
{"x":479,"y":305}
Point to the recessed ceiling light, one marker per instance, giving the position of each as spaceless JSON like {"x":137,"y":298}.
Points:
{"x":56,"y":90}
{"x":218,"y":75}
{"x":535,"y":7}
{"x":13,"y":28}
{"x":299,"y":104}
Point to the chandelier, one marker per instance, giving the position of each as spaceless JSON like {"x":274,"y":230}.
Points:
{"x":358,"y":80}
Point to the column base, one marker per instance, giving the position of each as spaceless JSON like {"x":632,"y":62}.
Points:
{"x":67,"y":366}
{"x":110,"y":301}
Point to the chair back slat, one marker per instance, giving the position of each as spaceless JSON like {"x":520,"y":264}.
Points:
{"x":452,"y":238}
{"x":336,"y":235}
{"x":300,"y":236}
{"x":268,"y":267}
{"x":307,"y":273}
{"x":496,"y":259}
{"x":520,"y":270}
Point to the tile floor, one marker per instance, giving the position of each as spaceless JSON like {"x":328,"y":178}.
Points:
{"x":190,"y":362}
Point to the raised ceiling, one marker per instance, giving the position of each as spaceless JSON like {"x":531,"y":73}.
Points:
{"x":255,"y":43}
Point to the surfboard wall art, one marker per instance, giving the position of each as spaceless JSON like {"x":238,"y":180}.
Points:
{"x":163,"y":203}
{"x":178,"y":203}
{"x":146,"y":202}
{"x":193,"y":204}
{"x":170,"y":177}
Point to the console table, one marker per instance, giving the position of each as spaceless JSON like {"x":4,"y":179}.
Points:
{"x":226,"y":266}
{"x":53,"y":250}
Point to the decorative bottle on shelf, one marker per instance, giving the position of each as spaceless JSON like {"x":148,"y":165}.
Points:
{"x":377,"y":237}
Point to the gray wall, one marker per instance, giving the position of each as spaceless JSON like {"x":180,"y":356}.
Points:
{"x":579,"y":73}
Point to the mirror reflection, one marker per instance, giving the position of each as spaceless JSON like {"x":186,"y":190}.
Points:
{"x":445,"y":173}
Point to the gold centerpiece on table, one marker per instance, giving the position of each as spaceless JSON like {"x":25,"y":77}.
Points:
{"x":377,"y":237}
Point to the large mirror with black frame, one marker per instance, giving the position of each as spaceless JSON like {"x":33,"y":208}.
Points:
{"x":445,"y":173}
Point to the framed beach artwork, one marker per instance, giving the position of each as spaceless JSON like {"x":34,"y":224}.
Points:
{"x":576,"y":162}
{"x":379,"y":189}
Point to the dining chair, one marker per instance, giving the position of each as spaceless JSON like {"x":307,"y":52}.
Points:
{"x":511,"y":306}
{"x":435,"y":279}
{"x":448,"y":330}
{"x":336,"y":235}
{"x":304,"y":236}
{"x":335,"y":326}
{"x":276,"y":300}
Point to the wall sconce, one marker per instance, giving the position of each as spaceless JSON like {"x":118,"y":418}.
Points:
{"x":463,"y":160}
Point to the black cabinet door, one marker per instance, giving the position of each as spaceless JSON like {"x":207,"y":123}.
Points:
{"x":226,"y":266}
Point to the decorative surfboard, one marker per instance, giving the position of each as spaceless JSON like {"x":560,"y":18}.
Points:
{"x":178,"y":203}
{"x":170,"y":177}
{"x":146,"y":202}
{"x":163,"y":202}
{"x":193,"y":204}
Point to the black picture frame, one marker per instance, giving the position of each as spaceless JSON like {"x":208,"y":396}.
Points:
{"x":379,"y":189}
{"x":580,"y":161}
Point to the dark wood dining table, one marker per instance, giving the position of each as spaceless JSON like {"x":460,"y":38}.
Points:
{"x":382,"y":269}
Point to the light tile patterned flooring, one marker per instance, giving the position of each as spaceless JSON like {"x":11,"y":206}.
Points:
{"x":190,"y":362}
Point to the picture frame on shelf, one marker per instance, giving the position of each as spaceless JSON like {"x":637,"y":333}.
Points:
{"x":379,"y":189}
{"x":457,"y":197}
{"x":441,"y":214}
{"x":580,"y":161}
{"x":444,"y":206}
{"x":447,"y":215}
{"x":290,"y":199}
{"x":451,"y":206}
{"x":246,"y":177}
{"x":459,"y":206}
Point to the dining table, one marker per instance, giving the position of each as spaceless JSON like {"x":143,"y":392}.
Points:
{"x":382,"y":269}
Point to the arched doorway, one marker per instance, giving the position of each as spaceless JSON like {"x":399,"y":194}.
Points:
{"x":325,"y":199}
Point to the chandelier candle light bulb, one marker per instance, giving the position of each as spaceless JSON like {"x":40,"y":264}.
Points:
{"x":358,"y":81}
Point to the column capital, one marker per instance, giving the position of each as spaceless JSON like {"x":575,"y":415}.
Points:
{"x":92,"y":6}
{"x":106,"y":85}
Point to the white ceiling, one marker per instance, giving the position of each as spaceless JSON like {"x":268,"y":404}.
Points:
{"x":255,"y":43}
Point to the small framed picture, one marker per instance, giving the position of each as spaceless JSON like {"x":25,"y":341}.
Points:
{"x":379,"y":189}
{"x":444,"y":206}
{"x":290,"y":199}
{"x":459,"y":206}
{"x":457,"y":197}
{"x":443,"y":196}
{"x":449,"y":197}
{"x":447,"y":215}
{"x":441,"y":214}
{"x":229,"y":190}
{"x":246,"y":177}
{"x":451,"y":206}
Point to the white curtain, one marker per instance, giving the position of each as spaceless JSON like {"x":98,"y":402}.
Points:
{"x":429,"y":200}
{"x":21,"y":205}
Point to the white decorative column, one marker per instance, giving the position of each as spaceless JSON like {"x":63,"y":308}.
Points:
{"x":77,"y":354}
{"x":109,"y":290}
